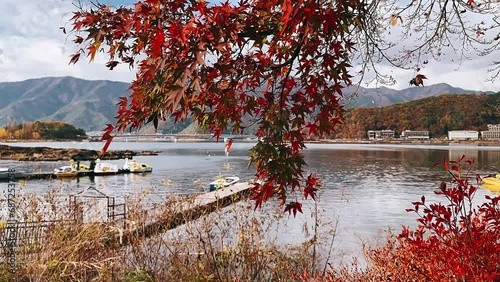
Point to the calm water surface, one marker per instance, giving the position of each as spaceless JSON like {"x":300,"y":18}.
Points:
{"x":366,"y":187}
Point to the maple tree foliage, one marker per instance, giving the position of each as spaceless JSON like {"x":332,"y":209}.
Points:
{"x":280,"y":64}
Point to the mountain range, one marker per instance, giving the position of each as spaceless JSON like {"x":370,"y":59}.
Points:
{"x":90,"y":104}
{"x":383,"y":96}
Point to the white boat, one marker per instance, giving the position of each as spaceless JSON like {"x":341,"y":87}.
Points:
{"x":223,"y":182}
{"x":104,"y":168}
{"x":65,"y":171}
{"x":133,"y":167}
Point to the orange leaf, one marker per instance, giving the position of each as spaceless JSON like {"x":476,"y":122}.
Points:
{"x":93,"y":48}
{"x":394,"y":20}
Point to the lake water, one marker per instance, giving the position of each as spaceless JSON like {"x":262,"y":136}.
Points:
{"x":366,"y":187}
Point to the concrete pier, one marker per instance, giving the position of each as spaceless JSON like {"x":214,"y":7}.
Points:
{"x":180,"y":210}
{"x":27,"y":175}
{"x":185,"y":211}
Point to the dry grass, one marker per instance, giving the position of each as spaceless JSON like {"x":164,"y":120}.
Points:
{"x":236,"y":243}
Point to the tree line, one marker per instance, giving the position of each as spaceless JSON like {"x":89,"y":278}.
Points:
{"x":438,"y":115}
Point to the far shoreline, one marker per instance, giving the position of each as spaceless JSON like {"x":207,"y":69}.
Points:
{"x":321,"y":141}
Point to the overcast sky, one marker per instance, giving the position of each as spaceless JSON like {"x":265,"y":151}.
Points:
{"x":33,"y":46}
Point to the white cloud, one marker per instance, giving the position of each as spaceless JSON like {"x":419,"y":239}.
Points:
{"x":32,"y":45}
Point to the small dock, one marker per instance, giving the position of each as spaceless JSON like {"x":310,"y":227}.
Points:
{"x":50,"y":175}
{"x":26,"y":175}
{"x":185,"y":211}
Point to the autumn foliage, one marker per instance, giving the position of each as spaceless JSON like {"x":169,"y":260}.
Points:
{"x":437,"y":114}
{"x":278,"y":64}
{"x":455,"y":240}
{"x":46,"y":130}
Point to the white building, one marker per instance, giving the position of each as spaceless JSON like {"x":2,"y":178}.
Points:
{"x":381,"y":134}
{"x":493,"y":132}
{"x":415,"y":134}
{"x":463,"y":135}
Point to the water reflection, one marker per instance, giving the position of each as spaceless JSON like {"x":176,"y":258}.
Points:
{"x":369,"y":189}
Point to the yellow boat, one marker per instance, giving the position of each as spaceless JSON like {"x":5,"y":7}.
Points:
{"x":136,"y":167}
{"x":492,"y":183}
{"x":78,"y":166}
{"x":65,"y":172}
{"x":146,"y":167}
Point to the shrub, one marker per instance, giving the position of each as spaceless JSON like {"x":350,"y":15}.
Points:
{"x":454,"y":240}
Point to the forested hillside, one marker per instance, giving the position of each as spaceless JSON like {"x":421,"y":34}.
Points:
{"x":437,"y":114}
{"x":45,"y":130}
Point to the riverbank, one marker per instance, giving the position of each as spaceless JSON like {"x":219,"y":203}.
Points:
{"x":16,"y":153}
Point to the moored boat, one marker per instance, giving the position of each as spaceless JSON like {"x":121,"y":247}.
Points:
{"x":133,"y":167}
{"x":146,"y":167}
{"x":491,"y":187}
{"x":65,"y":172}
{"x":492,"y":179}
{"x":78,"y":166}
{"x":223,"y":182}
{"x":492,"y":183}
{"x":104,"y":168}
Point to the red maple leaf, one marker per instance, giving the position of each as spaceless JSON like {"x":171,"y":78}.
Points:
{"x":227,"y":146}
{"x":158,"y":41}
{"x":293,"y":207}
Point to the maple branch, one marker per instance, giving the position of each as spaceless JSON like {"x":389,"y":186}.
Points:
{"x":289,"y":63}
{"x":251,"y":34}
{"x":283,"y":91}
{"x":434,"y":24}
{"x":295,"y":54}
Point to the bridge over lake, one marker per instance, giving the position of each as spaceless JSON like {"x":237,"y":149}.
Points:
{"x":172,"y":137}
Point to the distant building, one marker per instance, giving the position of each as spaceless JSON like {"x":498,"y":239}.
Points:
{"x":380,"y":134}
{"x":415,"y":134}
{"x":463,"y":135}
{"x":492,"y":133}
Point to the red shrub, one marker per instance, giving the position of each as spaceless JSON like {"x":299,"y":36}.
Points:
{"x":454,"y":241}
